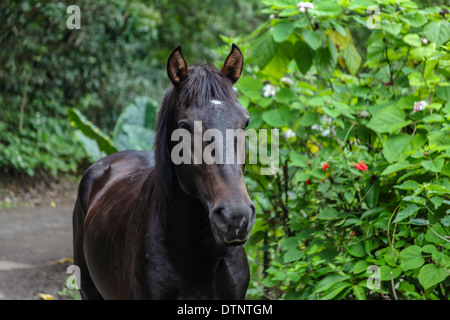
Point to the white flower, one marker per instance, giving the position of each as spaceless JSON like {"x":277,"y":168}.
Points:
{"x":303,"y":6}
{"x":424,"y":41}
{"x":287,"y":80}
{"x":272,"y":16}
{"x":269,"y":90}
{"x":363,"y":114}
{"x":420,"y":105}
{"x":289,"y":134}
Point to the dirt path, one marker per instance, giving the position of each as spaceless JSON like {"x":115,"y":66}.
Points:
{"x":32,"y":240}
{"x":35,"y":242}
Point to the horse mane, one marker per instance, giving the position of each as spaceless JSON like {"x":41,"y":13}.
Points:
{"x":204,"y":83}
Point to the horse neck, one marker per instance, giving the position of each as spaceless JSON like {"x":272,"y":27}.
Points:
{"x":187,"y":218}
{"x":175,"y":215}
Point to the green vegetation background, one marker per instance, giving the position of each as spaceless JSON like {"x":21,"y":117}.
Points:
{"x":364,"y":118}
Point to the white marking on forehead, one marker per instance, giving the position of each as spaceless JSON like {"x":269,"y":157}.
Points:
{"x":216,"y":102}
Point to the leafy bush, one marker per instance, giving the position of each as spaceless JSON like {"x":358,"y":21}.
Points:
{"x":44,"y":144}
{"x":134,"y":130}
{"x":364,"y":169}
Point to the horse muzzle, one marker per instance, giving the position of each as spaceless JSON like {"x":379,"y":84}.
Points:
{"x":231,"y":222}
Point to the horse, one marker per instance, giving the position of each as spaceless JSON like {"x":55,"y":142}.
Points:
{"x":147,"y":228}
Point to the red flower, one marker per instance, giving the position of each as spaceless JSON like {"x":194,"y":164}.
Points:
{"x":307,"y":181}
{"x":325,"y":166}
{"x":361,"y":166}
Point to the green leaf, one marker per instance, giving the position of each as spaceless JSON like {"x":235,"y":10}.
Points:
{"x":441,"y":258}
{"x":277,"y":117}
{"x":407,"y":212}
{"x":411,"y":258}
{"x":394,"y":146}
{"x":360,"y":266}
{"x":282,"y":30}
{"x":359,"y":293}
{"x":431,"y":236}
{"x":385,"y":273}
{"x":250,"y":87}
{"x":414,"y":19}
{"x":89,"y":145}
{"x":434,"y":165}
{"x":429,"y":66}
{"x":408,"y":185}
{"x":357,"y":250}
{"x":436,"y":201}
{"x":324,"y":62}
{"x":388,"y":119}
{"x":431,"y":275}
{"x":309,"y":118}
{"x":263,"y":49}
{"x":415,"y":199}
{"x":328,"y":214}
{"x":439,"y":139}
{"x":413,"y":39}
{"x":285,"y":95}
{"x":303,"y":56}
{"x":313,"y":39}
{"x":352,"y":58}
{"x":298,"y":159}
{"x":327,"y":282}
{"x":391,"y":27}
{"x":335,"y":290}
{"x":327,"y":8}
{"x":396,"y":167}
{"x":301,"y":176}
{"x":399,"y":147}
{"x":293,"y":255}
{"x":91,"y":131}
{"x":437,"y":31}
{"x":134,"y":129}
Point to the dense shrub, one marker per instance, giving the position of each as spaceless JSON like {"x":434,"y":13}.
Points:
{"x":364,"y":150}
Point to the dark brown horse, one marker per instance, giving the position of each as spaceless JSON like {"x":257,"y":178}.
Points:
{"x":145,"y":228}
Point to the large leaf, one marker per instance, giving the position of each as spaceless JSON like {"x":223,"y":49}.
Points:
{"x":324,"y":62}
{"x":430,"y":275}
{"x":352,"y":58}
{"x":313,"y":39}
{"x":327,"y":282}
{"x":263,"y":49}
{"x":134,"y":129}
{"x":407,"y":212}
{"x":391,"y":27}
{"x":327,"y":8}
{"x":303,"y":56}
{"x":78,"y":120}
{"x":398,"y":147}
{"x":414,"y":19}
{"x":388,"y":119}
{"x":438,"y":31}
{"x":250,"y":86}
{"x":413,"y":39}
{"x":282,"y":30}
{"x":277,"y":117}
{"x":434,"y":165}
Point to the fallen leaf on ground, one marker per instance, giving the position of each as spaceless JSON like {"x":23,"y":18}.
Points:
{"x":45,"y":296}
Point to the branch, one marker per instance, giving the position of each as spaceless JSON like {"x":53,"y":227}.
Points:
{"x":24,"y":100}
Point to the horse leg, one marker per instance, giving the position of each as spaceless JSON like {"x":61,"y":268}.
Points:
{"x":88,"y":289}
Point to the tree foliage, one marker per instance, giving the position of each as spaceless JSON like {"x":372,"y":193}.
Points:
{"x":364,"y":151}
{"x":119,"y":54}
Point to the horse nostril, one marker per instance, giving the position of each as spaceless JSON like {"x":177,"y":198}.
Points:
{"x":253,"y":209}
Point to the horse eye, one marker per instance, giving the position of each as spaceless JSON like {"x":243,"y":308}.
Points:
{"x":247,"y":123}
{"x":184,"y":125}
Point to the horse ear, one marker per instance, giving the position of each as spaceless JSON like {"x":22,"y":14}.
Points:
{"x":232,"y":68}
{"x":177,"y":69}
